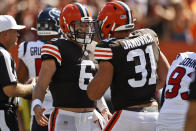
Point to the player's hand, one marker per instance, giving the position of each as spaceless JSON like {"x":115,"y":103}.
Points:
{"x":106,"y":114}
{"x":41,"y":119}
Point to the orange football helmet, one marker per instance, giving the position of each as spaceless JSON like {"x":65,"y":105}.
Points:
{"x":114,"y":16}
{"x":75,"y":17}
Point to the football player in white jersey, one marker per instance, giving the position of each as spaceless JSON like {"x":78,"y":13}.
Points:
{"x":173,"y":111}
{"x":29,"y":54}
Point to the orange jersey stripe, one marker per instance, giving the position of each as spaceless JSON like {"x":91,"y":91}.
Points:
{"x":53,"y":119}
{"x":45,"y":47}
{"x":97,"y":50}
{"x":113,"y":121}
{"x":56,"y":55}
{"x":100,"y":55}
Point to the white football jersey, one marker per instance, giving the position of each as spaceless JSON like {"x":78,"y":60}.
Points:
{"x":30,"y":54}
{"x":177,"y":83}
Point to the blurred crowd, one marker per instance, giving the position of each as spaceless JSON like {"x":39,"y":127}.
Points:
{"x":171,"y":19}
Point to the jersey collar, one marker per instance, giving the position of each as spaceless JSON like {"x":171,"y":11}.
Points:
{"x":1,"y":45}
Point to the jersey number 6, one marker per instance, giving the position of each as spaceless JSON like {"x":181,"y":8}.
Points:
{"x":85,"y":73}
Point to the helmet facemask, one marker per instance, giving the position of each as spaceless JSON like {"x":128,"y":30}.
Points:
{"x":82,"y":31}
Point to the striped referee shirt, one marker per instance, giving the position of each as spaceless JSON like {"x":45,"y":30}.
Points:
{"x":7,"y":72}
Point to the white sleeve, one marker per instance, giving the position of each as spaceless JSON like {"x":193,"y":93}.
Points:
{"x":21,"y":50}
{"x":179,"y":58}
{"x":101,"y":104}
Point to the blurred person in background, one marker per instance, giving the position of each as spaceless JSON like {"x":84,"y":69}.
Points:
{"x":192,"y":6}
{"x":178,"y":28}
{"x":93,"y":5}
{"x":158,"y":15}
{"x":67,"y":69}
{"x":175,"y":94}
{"x":131,"y":63}
{"x":154,"y":14}
{"x":140,"y":8}
{"x":170,"y":19}
{"x":29,"y":54}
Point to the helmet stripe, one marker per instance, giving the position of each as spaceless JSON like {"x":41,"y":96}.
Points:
{"x":127,"y":9}
{"x":87,"y":12}
{"x":83,"y":10}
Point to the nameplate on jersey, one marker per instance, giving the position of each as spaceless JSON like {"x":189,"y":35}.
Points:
{"x":189,"y":63}
{"x":138,"y":41}
{"x":35,"y":51}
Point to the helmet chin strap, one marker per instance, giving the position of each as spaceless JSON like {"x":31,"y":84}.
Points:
{"x":84,"y":52}
{"x":84,"y":42}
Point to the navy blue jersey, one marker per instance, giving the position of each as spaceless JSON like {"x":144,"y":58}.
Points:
{"x":135,"y":63}
{"x":74,"y":72}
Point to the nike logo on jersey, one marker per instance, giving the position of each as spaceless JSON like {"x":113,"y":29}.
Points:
{"x":138,"y":41}
{"x":189,"y":63}
{"x":35,"y":51}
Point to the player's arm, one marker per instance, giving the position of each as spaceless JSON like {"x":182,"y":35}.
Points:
{"x":48,"y":68}
{"x":101,"y":81}
{"x":51,"y":58}
{"x":103,"y":108}
{"x":18,"y":90}
{"x":103,"y":78}
{"x":163,"y":64}
{"x":163,"y":67}
{"x":8,"y":77}
{"x":191,"y":117}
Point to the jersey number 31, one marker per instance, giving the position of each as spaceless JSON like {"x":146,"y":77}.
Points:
{"x":141,"y":68}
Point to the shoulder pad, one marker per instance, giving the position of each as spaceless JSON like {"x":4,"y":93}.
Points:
{"x":48,"y":42}
{"x":54,"y":39}
{"x":178,"y":55}
{"x":108,"y":40}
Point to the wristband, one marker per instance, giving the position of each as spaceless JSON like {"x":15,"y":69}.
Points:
{"x":101,"y":104}
{"x":36,"y":102}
